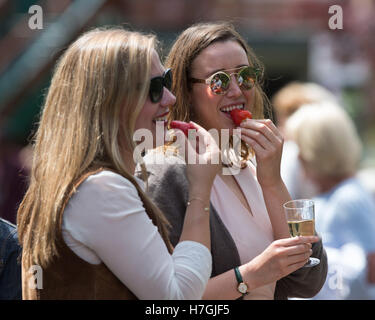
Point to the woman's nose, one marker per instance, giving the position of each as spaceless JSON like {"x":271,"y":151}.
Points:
{"x":234,"y":89}
{"x":168,"y":98}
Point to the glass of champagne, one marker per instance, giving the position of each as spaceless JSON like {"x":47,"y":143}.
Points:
{"x":300,"y":215}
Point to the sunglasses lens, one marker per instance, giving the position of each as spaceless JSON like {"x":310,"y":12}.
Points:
{"x":157,"y":86}
{"x":247,"y":77}
{"x":219,"y":83}
{"x":168,"y":79}
{"x":156,"y":89}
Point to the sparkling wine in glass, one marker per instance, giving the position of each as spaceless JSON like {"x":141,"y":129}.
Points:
{"x":300,"y":215}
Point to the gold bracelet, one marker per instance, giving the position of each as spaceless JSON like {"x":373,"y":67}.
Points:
{"x":206,"y":209}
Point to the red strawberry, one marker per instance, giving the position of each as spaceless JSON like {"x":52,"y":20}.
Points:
{"x":239,"y":115}
{"x":184,"y":126}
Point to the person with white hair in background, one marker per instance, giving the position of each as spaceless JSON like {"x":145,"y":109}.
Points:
{"x":330,"y":152}
{"x":286,"y":101}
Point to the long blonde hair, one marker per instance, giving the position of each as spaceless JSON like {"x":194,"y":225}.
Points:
{"x":182,"y":54}
{"x":98,"y":89}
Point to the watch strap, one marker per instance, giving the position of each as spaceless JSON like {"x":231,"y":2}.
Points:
{"x":238,"y":275}
{"x":240,"y":281}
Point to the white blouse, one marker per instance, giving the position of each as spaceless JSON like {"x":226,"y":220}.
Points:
{"x":251,"y":232}
{"x":105,"y":221}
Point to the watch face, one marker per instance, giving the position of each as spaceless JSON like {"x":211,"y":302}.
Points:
{"x":242,"y":287}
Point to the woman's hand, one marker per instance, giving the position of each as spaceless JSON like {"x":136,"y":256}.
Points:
{"x":267,"y":143}
{"x":203,"y":160}
{"x":203,"y":163}
{"x":280,"y":258}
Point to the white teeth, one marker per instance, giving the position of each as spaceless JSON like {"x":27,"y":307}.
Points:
{"x":229,"y":109}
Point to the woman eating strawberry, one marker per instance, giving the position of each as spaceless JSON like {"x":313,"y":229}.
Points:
{"x":217,"y":83}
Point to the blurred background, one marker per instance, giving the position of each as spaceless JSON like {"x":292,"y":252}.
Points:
{"x":292,"y":38}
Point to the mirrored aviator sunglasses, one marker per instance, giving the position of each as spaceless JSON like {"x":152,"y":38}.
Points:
{"x":157,"y":85}
{"x":219,"y":82}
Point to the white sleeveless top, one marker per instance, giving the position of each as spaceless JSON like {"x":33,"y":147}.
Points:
{"x":252,"y":233}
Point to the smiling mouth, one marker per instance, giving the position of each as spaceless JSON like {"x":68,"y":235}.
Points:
{"x":163,"y":117}
{"x":227,"y":110}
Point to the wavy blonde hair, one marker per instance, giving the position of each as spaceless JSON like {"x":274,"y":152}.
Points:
{"x":327,"y":139}
{"x":292,"y":96}
{"x":99,"y":86}
{"x":187,"y":47}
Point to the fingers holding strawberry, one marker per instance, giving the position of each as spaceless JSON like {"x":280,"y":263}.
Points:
{"x":183,"y":126}
{"x":267,"y":143}
{"x":202,"y":153}
{"x":264,"y":133}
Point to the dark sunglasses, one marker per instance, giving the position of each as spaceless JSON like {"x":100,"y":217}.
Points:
{"x":246,"y":78}
{"x":157,"y":85}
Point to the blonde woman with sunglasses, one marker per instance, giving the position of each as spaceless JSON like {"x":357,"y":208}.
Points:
{"x":85,"y":224}
{"x":254,"y":257}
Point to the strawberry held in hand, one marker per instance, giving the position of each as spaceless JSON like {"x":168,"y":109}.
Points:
{"x":240,"y":115}
{"x":183,"y":126}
